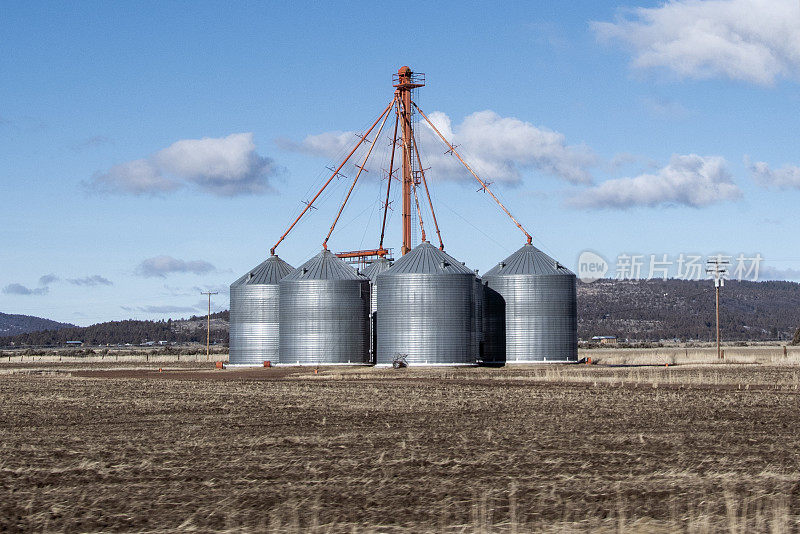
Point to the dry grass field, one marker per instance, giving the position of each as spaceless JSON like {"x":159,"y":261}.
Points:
{"x":685,"y":448}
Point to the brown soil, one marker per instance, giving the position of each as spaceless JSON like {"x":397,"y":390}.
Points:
{"x":371,"y":450}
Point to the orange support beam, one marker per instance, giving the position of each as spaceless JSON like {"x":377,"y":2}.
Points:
{"x":339,"y":168}
{"x":483,"y":184}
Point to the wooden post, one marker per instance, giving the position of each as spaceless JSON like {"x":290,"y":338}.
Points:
{"x":208,"y":330}
{"x":719,"y":353}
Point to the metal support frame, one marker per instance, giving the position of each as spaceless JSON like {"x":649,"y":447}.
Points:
{"x":358,"y":174}
{"x":419,"y":212}
{"x":427,"y":192}
{"x":405,"y":81}
{"x":339,"y":168}
{"x":391,"y":172}
{"x":484,"y":185}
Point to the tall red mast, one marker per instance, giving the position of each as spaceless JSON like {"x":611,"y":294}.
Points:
{"x":405,"y":82}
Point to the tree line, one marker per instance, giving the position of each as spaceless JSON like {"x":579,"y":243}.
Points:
{"x":129,"y":331}
{"x":652,"y":310}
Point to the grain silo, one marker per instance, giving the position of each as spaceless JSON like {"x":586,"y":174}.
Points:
{"x":371,"y":272}
{"x":374,"y":269}
{"x":478,"y":318}
{"x":323,"y":313}
{"x":531,"y":310}
{"x":255,"y":313}
{"x":426,"y":310}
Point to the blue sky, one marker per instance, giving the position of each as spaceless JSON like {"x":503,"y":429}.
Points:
{"x":153,"y":150}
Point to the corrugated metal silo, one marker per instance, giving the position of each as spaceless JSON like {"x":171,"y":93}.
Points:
{"x":494,"y":326}
{"x":323,"y":314}
{"x":374,"y":269}
{"x":479,"y":305}
{"x":426,"y":310}
{"x":531,"y":310}
{"x":255,"y":314}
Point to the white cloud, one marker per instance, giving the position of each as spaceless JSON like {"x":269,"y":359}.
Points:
{"x":161,"y":266}
{"x":326,"y":144}
{"x":136,"y":177}
{"x":502,"y":146}
{"x":767,"y":272}
{"x":787,"y":177}
{"x":689,"y":180}
{"x":165,"y":309}
{"x":19,"y":289}
{"x":48,"y":279}
{"x":751,"y":40}
{"x":94,"y":280}
{"x":497,"y":148}
{"x":224,"y":166}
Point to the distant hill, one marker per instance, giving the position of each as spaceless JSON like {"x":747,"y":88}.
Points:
{"x":652,"y":310}
{"x":130,"y":331}
{"x":11,"y":324}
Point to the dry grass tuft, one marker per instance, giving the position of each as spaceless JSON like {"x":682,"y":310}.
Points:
{"x":586,"y":448}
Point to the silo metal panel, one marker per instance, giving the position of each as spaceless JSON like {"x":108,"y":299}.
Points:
{"x":535,"y":298}
{"x":323,"y":314}
{"x":478,"y":299}
{"x":494,"y":325}
{"x":426,"y":310}
{"x":373,"y":270}
{"x":254,"y":314}
{"x":270,"y":271}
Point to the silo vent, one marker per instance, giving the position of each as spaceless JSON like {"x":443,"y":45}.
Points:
{"x":444,"y":265}
{"x":305,"y":270}
{"x":250,"y":276}
{"x":502,"y":264}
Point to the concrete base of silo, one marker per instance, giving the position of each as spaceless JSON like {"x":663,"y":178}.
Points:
{"x":387,"y":365}
{"x":518,"y":362}
{"x":322,"y":364}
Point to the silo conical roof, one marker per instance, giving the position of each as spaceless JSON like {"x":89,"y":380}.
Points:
{"x":528,"y":260}
{"x":325,"y":266}
{"x":268,"y":272}
{"x":427,"y":259}
{"x":376,"y":267}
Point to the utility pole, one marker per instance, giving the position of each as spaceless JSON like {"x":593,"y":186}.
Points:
{"x":208,"y":323}
{"x":717,"y":267}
